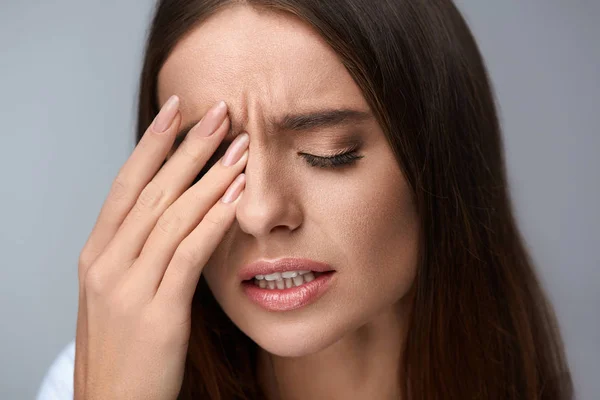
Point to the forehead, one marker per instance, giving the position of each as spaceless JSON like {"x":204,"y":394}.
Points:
{"x":255,"y":59}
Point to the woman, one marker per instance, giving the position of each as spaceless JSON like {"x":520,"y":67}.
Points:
{"x":366,"y":247}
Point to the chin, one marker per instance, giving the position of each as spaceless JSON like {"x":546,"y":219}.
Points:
{"x":294,"y":339}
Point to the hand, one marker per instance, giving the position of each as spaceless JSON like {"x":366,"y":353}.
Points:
{"x":139,"y":268}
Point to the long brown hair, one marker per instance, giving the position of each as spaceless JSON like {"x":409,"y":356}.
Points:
{"x":481,"y":326}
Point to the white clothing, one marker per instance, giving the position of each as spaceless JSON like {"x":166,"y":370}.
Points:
{"x":58,"y":382}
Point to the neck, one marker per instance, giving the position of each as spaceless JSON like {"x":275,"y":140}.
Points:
{"x":364,"y":364}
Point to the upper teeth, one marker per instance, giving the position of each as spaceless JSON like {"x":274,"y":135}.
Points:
{"x":281,"y":275}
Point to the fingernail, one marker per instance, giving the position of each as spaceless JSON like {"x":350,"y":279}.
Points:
{"x":234,"y":190}
{"x":235,"y":150}
{"x":165,"y":117}
{"x":214,"y":120}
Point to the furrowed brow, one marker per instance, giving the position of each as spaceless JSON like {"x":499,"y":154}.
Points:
{"x":320,"y":119}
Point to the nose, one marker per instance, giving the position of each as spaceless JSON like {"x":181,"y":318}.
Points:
{"x":268,"y":203}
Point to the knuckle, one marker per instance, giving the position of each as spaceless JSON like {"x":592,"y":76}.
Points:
{"x":86,"y":258}
{"x":151,"y":197}
{"x":170,"y":221}
{"x":214,"y":220}
{"x":191,"y":152}
{"x":119,"y":189}
{"x":185,"y":255}
{"x":95,"y":283}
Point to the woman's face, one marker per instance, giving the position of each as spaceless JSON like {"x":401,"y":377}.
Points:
{"x":358,"y":218}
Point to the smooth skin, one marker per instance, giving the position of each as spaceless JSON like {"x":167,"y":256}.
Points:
{"x":361,"y":219}
{"x":140,"y":266}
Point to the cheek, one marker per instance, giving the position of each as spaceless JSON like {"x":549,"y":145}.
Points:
{"x":366,"y":225}
{"x":377,"y":229}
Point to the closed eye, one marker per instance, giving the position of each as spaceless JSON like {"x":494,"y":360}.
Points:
{"x":334,"y":161}
{"x":338,"y":160}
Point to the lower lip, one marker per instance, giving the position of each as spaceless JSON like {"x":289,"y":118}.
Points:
{"x":290,"y":298}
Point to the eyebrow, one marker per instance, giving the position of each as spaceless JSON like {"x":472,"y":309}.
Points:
{"x":321,"y":119}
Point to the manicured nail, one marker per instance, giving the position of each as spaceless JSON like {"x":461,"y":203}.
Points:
{"x":234,"y":189}
{"x":215,"y":117}
{"x":236,"y":150}
{"x":167,"y":113}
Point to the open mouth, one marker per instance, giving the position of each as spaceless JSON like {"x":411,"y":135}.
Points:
{"x":287,"y":291}
{"x":285,"y":280}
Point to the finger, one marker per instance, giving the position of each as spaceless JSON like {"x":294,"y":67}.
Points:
{"x":147,"y":157}
{"x":183,"y":272}
{"x":133,"y":176}
{"x":185,"y":214}
{"x":168,"y":184}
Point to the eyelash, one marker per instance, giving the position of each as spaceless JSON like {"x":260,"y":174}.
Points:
{"x":338,"y":160}
{"x":345,"y":157}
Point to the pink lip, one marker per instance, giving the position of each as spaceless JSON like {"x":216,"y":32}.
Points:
{"x":290,"y":298}
{"x":265,"y":267}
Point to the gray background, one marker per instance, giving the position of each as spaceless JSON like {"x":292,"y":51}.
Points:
{"x":68,"y":74}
